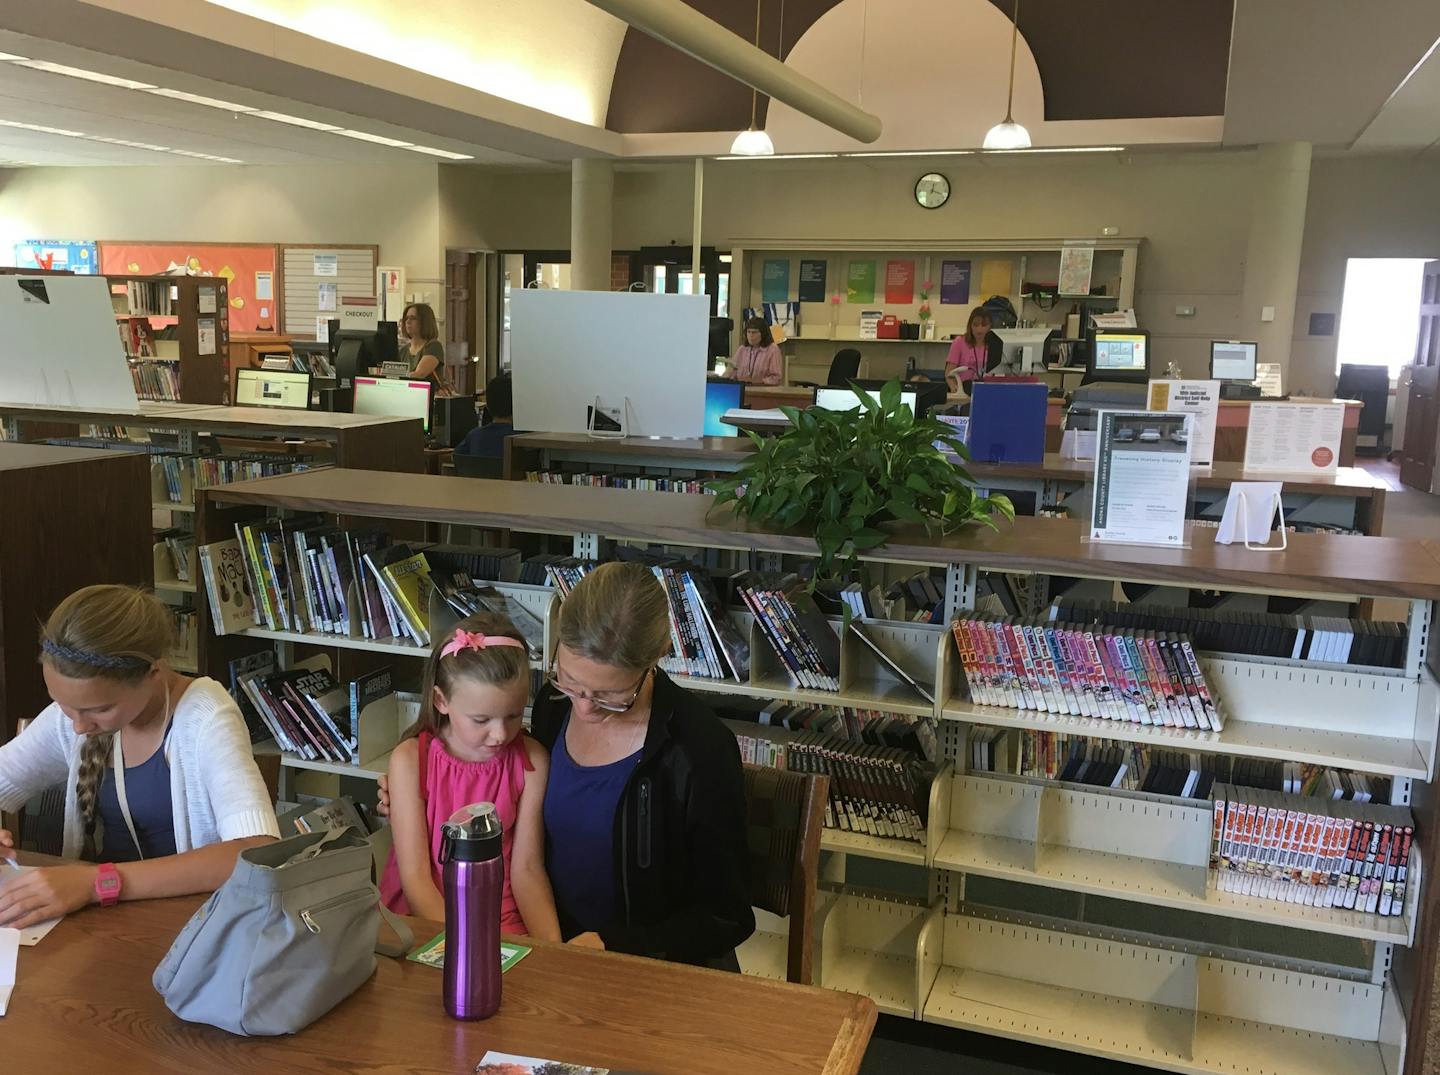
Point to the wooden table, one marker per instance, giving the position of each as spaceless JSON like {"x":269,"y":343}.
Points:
{"x":83,"y":1001}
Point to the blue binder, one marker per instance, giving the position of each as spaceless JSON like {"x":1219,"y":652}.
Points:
{"x":1007,"y":422}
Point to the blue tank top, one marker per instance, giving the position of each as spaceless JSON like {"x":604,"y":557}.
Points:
{"x":147,"y":791}
{"x":580,"y":805}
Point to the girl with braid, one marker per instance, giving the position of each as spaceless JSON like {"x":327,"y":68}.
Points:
{"x":162,"y":789}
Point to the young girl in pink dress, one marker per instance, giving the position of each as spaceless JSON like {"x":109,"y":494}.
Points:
{"x":468,"y":746}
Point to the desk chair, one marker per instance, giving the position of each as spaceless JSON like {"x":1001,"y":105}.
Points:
{"x":844,"y":368}
{"x":479,"y":466}
{"x":784,"y":813}
{"x":476,"y":466}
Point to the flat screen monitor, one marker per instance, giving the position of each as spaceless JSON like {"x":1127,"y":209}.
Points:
{"x":1023,"y":349}
{"x":845,"y":399}
{"x":721,"y":396}
{"x":272,"y":388}
{"x":1119,"y":355}
{"x":398,"y":399}
{"x":357,"y":352}
{"x":1232,"y":360}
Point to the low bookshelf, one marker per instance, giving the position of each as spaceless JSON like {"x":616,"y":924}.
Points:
{"x":1201,"y":980}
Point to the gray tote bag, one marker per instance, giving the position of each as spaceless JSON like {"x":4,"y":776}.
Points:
{"x":290,"y":935}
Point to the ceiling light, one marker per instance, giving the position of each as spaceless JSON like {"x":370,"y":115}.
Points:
{"x":777,"y":156}
{"x":753,"y":142}
{"x":379,"y":140}
{"x":197,"y":99}
{"x":89,"y":76}
{"x":914,"y":153}
{"x":40,"y":128}
{"x":294,"y":121}
{"x":1008,"y":134}
{"x":6,"y":56}
{"x":1063,"y":149}
{"x":441,"y":153}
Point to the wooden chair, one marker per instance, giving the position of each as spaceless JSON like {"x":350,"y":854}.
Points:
{"x":784,"y":815}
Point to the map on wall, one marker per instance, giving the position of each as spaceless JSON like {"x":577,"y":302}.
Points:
{"x":238,"y":264}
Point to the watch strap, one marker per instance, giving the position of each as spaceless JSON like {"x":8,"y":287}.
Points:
{"x":107,"y":884}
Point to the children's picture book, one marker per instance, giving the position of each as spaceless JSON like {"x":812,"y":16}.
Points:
{"x":432,"y":953}
{"x":222,"y":563}
{"x":493,"y":1063}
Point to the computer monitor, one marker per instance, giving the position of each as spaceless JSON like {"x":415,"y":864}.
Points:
{"x":1232,"y":360}
{"x":1119,"y":355}
{"x":1023,"y":349}
{"x":357,"y":352}
{"x":399,"y":399}
{"x":721,"y":396}
{"x":272,"y":388}
{"x":846,"y":399}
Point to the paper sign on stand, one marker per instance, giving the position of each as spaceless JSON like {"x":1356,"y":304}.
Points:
{"x":1142,"y":478}
{"x":1200,"y":398}
{"x":1077,"y":444}
{"x":1294,"y":438}
{"x":1249,"y":512}
{"x":1267,"y":379}
{"x":9,"y":954}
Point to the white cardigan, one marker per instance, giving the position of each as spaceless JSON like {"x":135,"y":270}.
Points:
{"x":216,"y":791}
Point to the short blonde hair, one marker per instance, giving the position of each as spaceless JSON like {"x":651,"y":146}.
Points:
{"x":617,"y":615}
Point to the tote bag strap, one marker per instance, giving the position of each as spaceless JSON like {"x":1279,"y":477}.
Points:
{"x":401,"y":929}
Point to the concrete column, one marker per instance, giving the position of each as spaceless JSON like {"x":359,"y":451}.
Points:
{"x":1272,"y":256}
{"x":592,"y":202}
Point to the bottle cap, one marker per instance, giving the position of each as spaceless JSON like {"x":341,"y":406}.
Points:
{"x":474,"y":822}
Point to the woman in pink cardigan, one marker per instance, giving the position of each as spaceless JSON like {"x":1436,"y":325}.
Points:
{"x":757,"y":360}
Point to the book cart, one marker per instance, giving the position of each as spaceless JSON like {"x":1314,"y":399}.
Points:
{"x":1224,"y":1000}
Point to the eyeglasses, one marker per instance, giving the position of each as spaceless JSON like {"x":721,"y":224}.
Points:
{"x":609,"y":705}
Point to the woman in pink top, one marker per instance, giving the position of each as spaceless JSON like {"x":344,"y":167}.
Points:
{"x":757,"y":360}
{"x":973,"y":354}
{"x":467,"y":747}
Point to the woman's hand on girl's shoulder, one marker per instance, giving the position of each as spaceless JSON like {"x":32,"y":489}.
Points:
{"x":405,"y":750}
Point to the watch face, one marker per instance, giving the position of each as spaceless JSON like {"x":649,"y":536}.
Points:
{"x":932,"y":190}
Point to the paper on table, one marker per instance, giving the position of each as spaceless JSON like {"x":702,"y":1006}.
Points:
{"x":1260,"y":498}
{"x":9,"y":951}
{"x":30,"y":935}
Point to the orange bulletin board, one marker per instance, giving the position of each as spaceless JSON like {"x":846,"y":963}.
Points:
{"x":238,"y":263}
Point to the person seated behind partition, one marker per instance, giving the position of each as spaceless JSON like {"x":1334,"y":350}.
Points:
{"x":488,"y":441}
{"x":758,"y":359}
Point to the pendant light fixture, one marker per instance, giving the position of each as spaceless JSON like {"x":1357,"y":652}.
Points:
{"x":753,"y":142}
{"x":1009,"y":134}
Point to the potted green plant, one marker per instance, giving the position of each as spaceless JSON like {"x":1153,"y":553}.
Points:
{"x":846,"y":474}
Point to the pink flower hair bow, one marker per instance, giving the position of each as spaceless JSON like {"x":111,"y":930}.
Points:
{"x":464,"y":640}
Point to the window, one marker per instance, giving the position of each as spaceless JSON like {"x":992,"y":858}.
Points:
{"x":1380,"y":312}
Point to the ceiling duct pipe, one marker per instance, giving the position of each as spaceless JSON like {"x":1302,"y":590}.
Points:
{"x":682,"y":27}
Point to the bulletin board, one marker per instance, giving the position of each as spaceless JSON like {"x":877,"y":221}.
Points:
{"x":250,"y":269}
{"x":319,"y":278}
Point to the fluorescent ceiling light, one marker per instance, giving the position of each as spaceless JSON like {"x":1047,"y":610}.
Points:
{"x":1063,"y":149}
{"x":440,"y":153}
{"x":7,"y":56}
{"x":914,"y":153}
{"x":781,"y":157}
{"x":42,"y":129}
{"x":379,"y":140}
{"x":197,"y":99}
{"x":89,"y":76}
{"x":294,"y":121}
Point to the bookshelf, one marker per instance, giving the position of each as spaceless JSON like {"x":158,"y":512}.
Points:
{"x":199,"y":307}
{"x":1223,"y":999}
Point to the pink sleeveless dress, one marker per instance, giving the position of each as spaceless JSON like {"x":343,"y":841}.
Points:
{"x":447,"y":784}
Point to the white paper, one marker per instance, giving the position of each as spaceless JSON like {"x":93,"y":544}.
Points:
{"x":9,"y":952}
{"x":322,"y":329}
{"x":1077,"y":444}
{"x":959,"y":429}
{"x":205,"y":335}
{"x":30,"y":935}
{"x":1119,"y":319}
{"x":326,"y":296}
{"x":1142,"y":477}
{"x":1260,"y":498}
{"x":326,"y":265}
{"x":264,"y":286}
{"x":1267,"y":379}
{"x":1294,"y":438}
{"x":205,"y":300}
{"x":1200,"y":398}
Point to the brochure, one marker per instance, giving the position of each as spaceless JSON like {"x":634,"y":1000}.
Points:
{"x":493,"y":1063}
{"x":1294,"y":438}
{"x":432,"y":953}
{"x":1142,"y":477}
{"x":1201,"y":398}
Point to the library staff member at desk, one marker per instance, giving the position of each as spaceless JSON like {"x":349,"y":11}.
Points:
{"x":424,"y":352}
{"x":757,"y":360}
{"x":974,"y":354}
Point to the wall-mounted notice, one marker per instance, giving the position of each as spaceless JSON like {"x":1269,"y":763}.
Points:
{"x":775,"y":280}
{"x":860,"y":282}
{"x":322,"y":329}
{"x":326,"y":296}
{"x":327,"y":265}
{"x":995,"y":276}
{"x":79,"y":256}
{"x":205,"y":327}
{"x":1077,"y":261}
{"x":900,"y":282}
{"x":1142,"y":478}
{"x":1200,"y":398}
{"x":265,"y":286}
{"x":205,"y":300}
{"x":954,"y":283}
{"x":812,"y":280}
{"x":1294,"y":438}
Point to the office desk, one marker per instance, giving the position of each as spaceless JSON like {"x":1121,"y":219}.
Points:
{"x":83,"y":1001}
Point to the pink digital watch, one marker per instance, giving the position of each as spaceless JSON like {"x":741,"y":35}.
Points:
{"x":107,"y":885}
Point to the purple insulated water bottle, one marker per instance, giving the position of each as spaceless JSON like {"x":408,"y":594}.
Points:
{"x":474,"y":879}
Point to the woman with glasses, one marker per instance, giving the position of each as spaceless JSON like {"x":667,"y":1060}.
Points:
{"x":425,"y":352}
{"x":644,"y":810}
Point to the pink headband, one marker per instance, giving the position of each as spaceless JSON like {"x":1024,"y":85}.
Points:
{"x":464,"y":640}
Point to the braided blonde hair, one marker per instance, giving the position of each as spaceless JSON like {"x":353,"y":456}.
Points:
{"x":118,"y":632}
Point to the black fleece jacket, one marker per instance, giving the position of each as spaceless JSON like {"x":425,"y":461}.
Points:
{"x":680,"y":833}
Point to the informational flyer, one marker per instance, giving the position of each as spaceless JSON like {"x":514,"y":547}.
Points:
{"x":860,"y":282}
{"x":775,"y":280}
{"x":812,"y":279}
{"x":1267,"y":379}
{"x":265,"y":286}
{"x":205,"y":332}
{"x":1294,"y":438}
{"x":327,"y":296}
{"x":995,"y":276}
{"x":205,"y":300}
{"x":954,"y":283}
{"x":900,"y":282}
{"x":1076,"y":264}
{"x":1200,"y":398}
{"x":1142,"y":477}
{"x":326,"y":265}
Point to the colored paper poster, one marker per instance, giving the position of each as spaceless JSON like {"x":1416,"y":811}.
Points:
{"x":812,"y":280}
{"x":775,"y":280}
{"x":76,"y":255}
{"x":860,"y":282}
{"x":995,"y":276}
{"x":954,"y":283}
{"x":1200,"y":398}
{"x":1076,"y":263}
{"x":237,"y":264}
{"x":900,"y":282}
